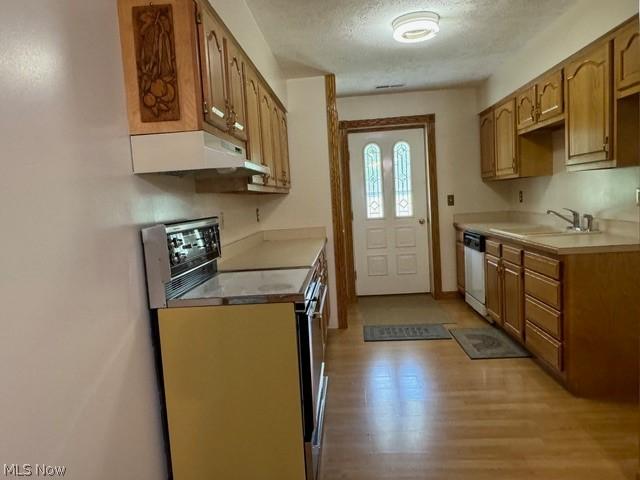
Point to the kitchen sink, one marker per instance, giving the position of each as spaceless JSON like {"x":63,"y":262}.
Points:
{"x":537,"y":231}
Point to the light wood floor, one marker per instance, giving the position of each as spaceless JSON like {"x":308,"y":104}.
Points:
{"x":423,"y":410}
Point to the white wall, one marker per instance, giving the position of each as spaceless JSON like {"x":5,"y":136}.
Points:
{"x":606,"y":194}
{"x":76,"y":361}
{"x":309,"y":202}
{"x":457,"y":153}
{"x":575,"y":29}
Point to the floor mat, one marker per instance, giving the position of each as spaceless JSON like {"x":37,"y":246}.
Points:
{"x":384,"y":333}
{"x":487,"y":342}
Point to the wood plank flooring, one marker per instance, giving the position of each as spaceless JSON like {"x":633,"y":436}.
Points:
{"x":424,"y":410}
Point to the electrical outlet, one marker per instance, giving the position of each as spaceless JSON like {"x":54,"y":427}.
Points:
{"x":258,"y":215}
{"x":638,"y":197}
{"x":520,"y":196}
{"x":451,"y":200}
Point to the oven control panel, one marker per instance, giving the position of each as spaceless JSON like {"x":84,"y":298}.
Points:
{"x":192,"y":247}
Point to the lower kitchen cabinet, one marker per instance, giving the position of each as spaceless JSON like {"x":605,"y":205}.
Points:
{"x":460,"y":271}
{"x":232,"y":387}
{"x":576,"y":313}
{"x":513,"y":294}
{"x":493,"y":287}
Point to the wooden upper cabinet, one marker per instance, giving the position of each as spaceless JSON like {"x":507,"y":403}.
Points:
{"x":213,"y":66}
{"x":236,"y":97}
{"x":526,"y":108}
{"x":627,"y":60}
{"x":162,"y":77}
{"x":588,"y":105}
{"x":505,"y":139}
{"x":284,"y":177}
{"x":487,"y":145}
{"x":550,"y":98}
{"x":266,"y":133}
{"x":275,"y":143}
{"x":252,"y":95}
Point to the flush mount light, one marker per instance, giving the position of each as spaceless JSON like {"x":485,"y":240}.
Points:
{"x":416,"y":27}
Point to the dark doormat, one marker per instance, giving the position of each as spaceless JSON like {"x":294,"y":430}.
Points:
{"x":487,"y":342}
{"x":383,"y":333}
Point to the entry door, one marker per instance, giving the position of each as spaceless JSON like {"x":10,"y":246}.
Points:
{"x":389,"y":201}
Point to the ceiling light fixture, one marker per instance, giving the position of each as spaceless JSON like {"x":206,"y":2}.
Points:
{"x":416,"y":27}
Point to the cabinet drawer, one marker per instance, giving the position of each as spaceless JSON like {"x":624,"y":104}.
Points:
{"x":542,"y":316}
{"x":459,"y":236}
{"x":543,"y":288}
{"x":541,"y":264}
{"x":543,"y":346}
{"x":512,"y":254}
{"x":492,"y":248}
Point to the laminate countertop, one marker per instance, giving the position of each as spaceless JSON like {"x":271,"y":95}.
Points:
{"x":274,"y":254}
{"x":558,"y":244}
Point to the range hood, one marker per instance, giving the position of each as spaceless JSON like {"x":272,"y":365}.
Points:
{"x":191,"y":153}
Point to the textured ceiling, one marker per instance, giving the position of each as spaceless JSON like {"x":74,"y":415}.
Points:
{"x":353,"y":39}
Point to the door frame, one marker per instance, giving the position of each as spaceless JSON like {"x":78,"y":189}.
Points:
{"x":341,"y":194}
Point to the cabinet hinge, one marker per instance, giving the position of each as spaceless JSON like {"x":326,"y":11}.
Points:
{"x":605,"y":145}
{"x":205,"y":108}
{"x":198,"y":18}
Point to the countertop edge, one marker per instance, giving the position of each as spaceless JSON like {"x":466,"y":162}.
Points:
{"x":621,"y":248}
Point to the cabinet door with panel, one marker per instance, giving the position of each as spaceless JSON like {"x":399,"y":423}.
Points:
{"x":493,"y":287}
{"x":487,"y":145}
{"x":513,"y":295}
{"x":236,"y":93}
{"x":266,"y":132}
{"x":526,"y":108}
{"x":505,"y":125}
{"x":627,"y":60}
{"x":549,"y":97}
{"x":284,"y":177}
{"x":213,"y":69}
{"x":252,"y":95}
{"x":276,"y":145}
{"x":460,"y":266}
{"x":588,"y":104}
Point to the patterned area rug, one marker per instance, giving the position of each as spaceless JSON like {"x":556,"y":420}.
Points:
{"x":487,"y":342}
{"x":383,"y":333}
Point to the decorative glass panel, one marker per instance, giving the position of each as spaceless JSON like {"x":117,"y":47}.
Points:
{"x":402,"y":179}
{"x":373,"y":181}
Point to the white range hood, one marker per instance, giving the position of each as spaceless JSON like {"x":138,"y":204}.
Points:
{"x":191,"y":153}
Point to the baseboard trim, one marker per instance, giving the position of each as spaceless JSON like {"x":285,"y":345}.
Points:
{"x":452,"y":295}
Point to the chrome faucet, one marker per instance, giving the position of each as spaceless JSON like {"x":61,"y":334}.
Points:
{"x":574,"y":221}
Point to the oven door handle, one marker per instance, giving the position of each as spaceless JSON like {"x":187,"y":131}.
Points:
{"x":320,"y":309}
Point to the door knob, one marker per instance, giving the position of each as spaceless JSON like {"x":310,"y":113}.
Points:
{"x":421,"y":221}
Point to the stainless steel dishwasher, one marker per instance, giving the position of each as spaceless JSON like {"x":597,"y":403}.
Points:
{"x":474,"y":278}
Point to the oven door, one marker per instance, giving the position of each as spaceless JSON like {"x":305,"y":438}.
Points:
{"x":316,"y":342}
{"x":314,"y":400}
